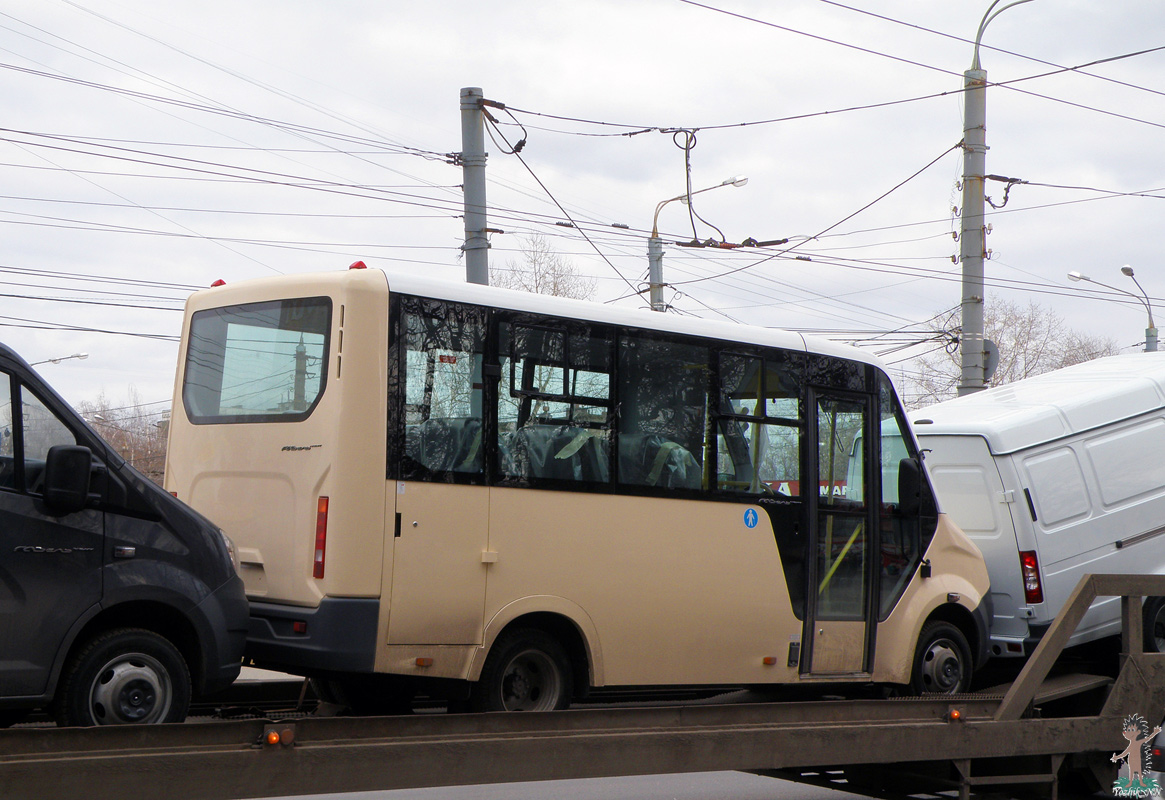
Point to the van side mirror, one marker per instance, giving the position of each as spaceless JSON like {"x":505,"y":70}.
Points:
{"x":909,"y":486}
{"x":67,"y":472}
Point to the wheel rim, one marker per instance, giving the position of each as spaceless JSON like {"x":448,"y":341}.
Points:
{"x":133,"y":688}
{"x":1159,"y":628}
{"x":941,"y":668}
{"x":531,"y":681}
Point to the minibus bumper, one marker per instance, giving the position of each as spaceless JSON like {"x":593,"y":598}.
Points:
{"x":339,"y":635}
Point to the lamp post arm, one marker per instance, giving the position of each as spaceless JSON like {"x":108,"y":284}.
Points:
{"x":1148,"y":305}
{"x":987,"y":17}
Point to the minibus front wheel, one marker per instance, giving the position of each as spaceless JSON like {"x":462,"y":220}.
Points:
{"x":942,"y":660}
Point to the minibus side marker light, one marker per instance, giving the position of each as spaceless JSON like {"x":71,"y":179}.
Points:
{"x":769,"y":661}
{"x":272,"y":737}
{"x":299,"y":626}
{"x":424,"y":662}
{"x":955,"y":715}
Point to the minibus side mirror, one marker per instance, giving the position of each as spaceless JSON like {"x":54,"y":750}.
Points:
{"x":909,"y":487}
{"x":66,"y":478}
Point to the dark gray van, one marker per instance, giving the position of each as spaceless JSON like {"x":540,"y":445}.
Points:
{"x":117,"y":601}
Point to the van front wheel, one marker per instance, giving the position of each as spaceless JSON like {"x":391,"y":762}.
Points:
{"x":124,"y":676}
{"x":527,"y":670}
{"x":1155,"y":624}
{"x":942,"y":660}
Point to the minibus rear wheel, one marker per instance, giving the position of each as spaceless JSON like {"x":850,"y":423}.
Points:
{"x":526,"y":670}
{"x":942,"y":660}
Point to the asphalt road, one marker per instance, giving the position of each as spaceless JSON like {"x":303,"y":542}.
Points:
{"x":698,"y":786}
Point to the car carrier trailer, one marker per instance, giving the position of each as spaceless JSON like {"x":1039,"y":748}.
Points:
{"x":1055,"y":732}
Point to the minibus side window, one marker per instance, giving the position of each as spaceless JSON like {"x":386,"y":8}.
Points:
{"x":554,"y":403}
{"x":901,"y":545}
{"x":759,"y":436}
{"x":443,"y":352}
{"x":663,"y":409}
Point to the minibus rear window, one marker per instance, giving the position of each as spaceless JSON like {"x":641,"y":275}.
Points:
{"x":258,"y":362}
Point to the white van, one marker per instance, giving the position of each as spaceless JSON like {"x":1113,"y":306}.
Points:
{"x":1054,"y":477}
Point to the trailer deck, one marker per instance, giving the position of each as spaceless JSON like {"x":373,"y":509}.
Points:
{"x":1054,"y":731}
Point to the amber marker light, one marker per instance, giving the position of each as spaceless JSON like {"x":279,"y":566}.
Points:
{"x":272,"y":737}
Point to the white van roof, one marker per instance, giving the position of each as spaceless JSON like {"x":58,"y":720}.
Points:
{"x":1050,"y":406}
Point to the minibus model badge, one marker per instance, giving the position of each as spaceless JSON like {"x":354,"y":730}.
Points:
{"x":296,"y":448}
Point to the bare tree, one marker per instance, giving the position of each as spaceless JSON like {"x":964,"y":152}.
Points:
{"x":134,"y":431}
{"x":1032,"y":339}
{"x":542,"y":270}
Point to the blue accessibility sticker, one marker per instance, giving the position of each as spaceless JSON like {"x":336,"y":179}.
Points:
{"x":750,"y":518}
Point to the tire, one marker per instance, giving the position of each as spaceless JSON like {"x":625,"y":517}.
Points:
{"x":1154,"y":625}
{"x":942,"y":660}
{"x":124,"y":676}
{"x":364,"y":695}
{"x":527,"y":670}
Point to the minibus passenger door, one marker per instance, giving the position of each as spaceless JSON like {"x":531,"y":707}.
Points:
{"x":839,"y":585}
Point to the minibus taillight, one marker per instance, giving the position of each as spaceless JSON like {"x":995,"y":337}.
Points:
{"x":1033,"y":592}
{"x":317,"y":570}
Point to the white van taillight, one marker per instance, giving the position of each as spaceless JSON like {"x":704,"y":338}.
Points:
{"x":1033,"y":591}
{"x":317,"y":569}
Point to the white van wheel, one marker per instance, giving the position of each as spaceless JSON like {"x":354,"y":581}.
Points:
{"x":123,"y":677}
{"x":942,"y":660}
{"x":1155,"y":624}
{"x":527,"y":670}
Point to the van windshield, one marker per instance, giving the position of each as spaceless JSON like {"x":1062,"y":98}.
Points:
{"x":258,"y":362}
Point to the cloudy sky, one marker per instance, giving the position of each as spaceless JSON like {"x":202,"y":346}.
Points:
{"x":148,"y":149}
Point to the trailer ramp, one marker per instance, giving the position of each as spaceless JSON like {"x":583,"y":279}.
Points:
{"x":1052,"y":733}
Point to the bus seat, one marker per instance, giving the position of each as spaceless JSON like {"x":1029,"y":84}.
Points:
{"x":445,"y":445}
{"x":562,"y":452}
{"x":653,"y":460}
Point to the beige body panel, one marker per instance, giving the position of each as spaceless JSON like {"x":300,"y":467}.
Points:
{"x":242,"y":480}
{"x":957,"y":567}
{"x":437,"y":580}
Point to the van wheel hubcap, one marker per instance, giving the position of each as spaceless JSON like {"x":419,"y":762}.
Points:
{"x":132,"y":688}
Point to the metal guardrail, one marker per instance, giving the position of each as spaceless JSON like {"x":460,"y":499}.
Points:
{"x":237,"y":759}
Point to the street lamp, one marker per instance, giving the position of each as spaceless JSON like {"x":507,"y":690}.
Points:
{"x":655,"y":244}
{"x":1151,"y":331}
{"x":973,"y":349}
{"x":59,"y":360}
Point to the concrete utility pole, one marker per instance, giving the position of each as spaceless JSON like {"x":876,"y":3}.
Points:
{"x":972,"y":246}
{"x":473,"y":157}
